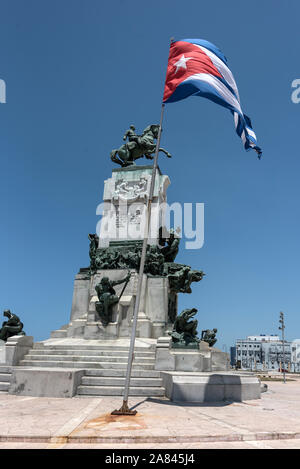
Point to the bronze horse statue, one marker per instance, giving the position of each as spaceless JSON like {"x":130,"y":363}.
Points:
{"x":137,"y":147}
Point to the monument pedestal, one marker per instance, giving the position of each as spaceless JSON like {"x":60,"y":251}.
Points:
{"x":203,"y":359}
{"x":125,"y":203}
{"x":121,"y":235}
{"x":153,"y":320}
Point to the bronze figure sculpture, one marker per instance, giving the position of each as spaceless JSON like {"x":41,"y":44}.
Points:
{"x":185,"y":329}
{"x":181,"y":277}
{"x":94,"y":241}
{"x":107,"y":297}
{"x":13,"y":326}
{"x":137,"y":146}
{"x":209,"y":336}
{"x":169,"y":245}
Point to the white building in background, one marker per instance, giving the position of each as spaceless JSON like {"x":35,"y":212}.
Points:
{"x":265,"y":352}
{"x":295,"y":344}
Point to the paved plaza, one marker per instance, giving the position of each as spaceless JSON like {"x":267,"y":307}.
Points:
{"x":82,"y":422}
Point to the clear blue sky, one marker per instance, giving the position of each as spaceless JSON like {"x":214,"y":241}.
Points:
{"x":77,"y":74}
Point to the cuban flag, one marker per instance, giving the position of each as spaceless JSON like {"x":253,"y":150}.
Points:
{"x":198,"y":68}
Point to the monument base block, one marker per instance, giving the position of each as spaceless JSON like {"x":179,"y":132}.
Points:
{"x":43,"y":382}
{"x":210,"y":387}
{"x":65,"y":367}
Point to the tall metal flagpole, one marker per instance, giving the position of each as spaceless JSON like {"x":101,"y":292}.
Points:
{"x":124,"y":410}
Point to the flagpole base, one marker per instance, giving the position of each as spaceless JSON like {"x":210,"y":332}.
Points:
{"x":124,"y":410}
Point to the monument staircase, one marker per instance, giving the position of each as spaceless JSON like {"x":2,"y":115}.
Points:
{"x":104,"y":365}
{"x":5,"y":375}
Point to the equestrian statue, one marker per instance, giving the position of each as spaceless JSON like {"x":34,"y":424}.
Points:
{"x":137,"y":146}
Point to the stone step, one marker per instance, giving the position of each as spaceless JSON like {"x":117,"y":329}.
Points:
{"x":85,"y":358}
{"x":122,"y":373}
{"x":5,"y":369}
{"x":84,"y":352}
{"x":103,"y":346}
{"x":119,"y":391}
{"x":85,"y":364}
{"x":5,"y":377}
{"x":116,"y":381}
{"x":58,"y":334}
{"x":4,"y":386}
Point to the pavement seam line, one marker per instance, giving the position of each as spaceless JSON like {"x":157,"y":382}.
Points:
{"x":61,"y":435}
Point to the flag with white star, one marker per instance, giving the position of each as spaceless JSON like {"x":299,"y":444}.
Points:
{"x":198,"y":68}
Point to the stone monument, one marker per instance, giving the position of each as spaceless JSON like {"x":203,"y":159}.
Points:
{"x":104,"y":297}
{"x":105,"y":292}
{"x":117,"y":250}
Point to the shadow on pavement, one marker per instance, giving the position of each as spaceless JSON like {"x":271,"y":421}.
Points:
{"x":183,"y":404}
